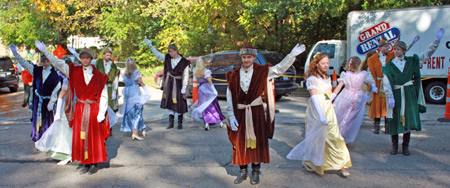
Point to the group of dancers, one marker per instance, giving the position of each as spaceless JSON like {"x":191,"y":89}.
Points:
{"x":388,"y":81}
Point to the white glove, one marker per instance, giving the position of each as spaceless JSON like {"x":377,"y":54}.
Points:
{"x":298,"y":49}
{"x":74,"y":52}
{"x":368,"y":99}
{"x":40,"y":45}
{"x":59,"y":105}
{"x":415,"y":39}
{"x":391,"y":102}
{"x":146,"y":90}
{"x":214,"y":90}
{"x":113,"y":96}
{"x":234,"y":124}
{"x":316,"y":104}
{"x":49,"y":107}
{"x":13,"y":49}
{"x":374,"y":89}
{"x":148,"y":43}
{"x":100,"y":117}
{"x":183,"y":90}
{"x":439,"y":34}
{"x":333,"y":96}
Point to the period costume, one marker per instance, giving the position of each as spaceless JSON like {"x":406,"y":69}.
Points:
{"x":350,"y":104}
{"x":207,"y":108}
{"x":57,"y":140}
{"x":323,"y":147}
{"x":249,"y":125}
{"x":27,"y":82}
{"x":110,"y":68}
{"x":46,"y":85}
{"x":176,"y":77}
{"x":133,"y":105}
{"x":403,"y":86}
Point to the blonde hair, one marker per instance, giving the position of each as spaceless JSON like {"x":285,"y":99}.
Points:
{"x":131,"y":66}
{"x":353,"y":64}
{"x":199,"y":71}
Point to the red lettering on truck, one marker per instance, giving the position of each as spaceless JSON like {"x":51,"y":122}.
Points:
{"x":373,"y":31}
{"x":434,"y":63}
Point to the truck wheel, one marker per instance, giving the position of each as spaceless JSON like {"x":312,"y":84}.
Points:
{"x":13,"y":89}
{"x":435,"y":93}
{"x":278,"y":97}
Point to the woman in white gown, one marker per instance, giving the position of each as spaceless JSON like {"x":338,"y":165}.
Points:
{"x":323,"y":147}
{"x":57,"y":140}
{"x":350,"y":103}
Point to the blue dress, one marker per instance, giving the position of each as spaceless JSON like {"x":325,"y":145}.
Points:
{"x":133,"y":104}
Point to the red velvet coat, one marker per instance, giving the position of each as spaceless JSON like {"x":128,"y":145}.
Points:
{"x":97,"y":132}
{"x":263,"y":129}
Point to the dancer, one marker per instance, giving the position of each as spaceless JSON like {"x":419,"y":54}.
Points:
{"x":134,"y":101}
{"x":207,"y":108}
{"x":176,"y":77}
{"x":249,"y":125}
{"x":404,"y":90}
{"x":90,"y":122}
{"x":350,"y":103}
{"x":323,"y":147}
{"x":57,"y":140}
{"x":46,"y":85}
{"x":106,"y":66}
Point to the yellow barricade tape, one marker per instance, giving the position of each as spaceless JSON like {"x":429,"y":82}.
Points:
{"x":434,"y":76}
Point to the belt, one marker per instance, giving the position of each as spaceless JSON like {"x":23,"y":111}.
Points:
{"x":250,"y":136}
{"x":39,"y":108}
{"x":174,"y":86}
{"x":85,"y":119}
{"x":402,"y":109}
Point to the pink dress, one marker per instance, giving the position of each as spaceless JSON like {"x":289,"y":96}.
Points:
{"x":349,"y":105}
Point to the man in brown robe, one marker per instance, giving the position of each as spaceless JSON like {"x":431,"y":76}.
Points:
{"x":249,"y":128}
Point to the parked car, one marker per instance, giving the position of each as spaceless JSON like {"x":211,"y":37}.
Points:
{"x":121,"y":67}
{"x":159,"y":77}
{"x":8,"y":74}
{"x":221,"y":62}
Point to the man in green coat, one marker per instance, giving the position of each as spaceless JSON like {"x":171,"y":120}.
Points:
{"x":106,"y":66}
{"x":402,"y":85}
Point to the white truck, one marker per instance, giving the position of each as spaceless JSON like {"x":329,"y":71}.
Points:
{"x":365,"y":29}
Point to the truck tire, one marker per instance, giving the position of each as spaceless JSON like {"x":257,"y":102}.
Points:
{"x":278,"y":97}
{"x":13,"y":89}
{"x":435,"y":92}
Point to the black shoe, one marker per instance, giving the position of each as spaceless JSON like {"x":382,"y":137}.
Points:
{"x":180,"y":121}
{"x":394,"y":150}
{"x":24,"y":105}
{"x":93,"y":169}
{"x":242,"y":176}
{"x":79,"y":166}
{"x":405,"y":150}
{"x":171,"y":121}
{"x":376,"y":126}
{"x":255,"y":177}
{"x":85,"y":168}
{"x":394,"y":139}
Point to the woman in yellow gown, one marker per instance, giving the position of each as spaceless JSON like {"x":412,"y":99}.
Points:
{"x":323,"y":147}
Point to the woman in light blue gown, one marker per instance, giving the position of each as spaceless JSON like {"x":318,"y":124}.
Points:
{"x":134,"y":101}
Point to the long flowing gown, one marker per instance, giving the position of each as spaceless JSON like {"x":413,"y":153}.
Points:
{"x":207,"y":107}
{"x":350,"y":104}
{"x":133,"y":104}
{"x":323,"y":147}
{"x":57,"y":140}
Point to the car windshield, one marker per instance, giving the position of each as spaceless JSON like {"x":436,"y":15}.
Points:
{"x":272,"y":57}
{"x":225,"y":62}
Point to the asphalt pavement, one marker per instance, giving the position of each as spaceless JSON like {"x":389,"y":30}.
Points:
{"x":193,"y":157}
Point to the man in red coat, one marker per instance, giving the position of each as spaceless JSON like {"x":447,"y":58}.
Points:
{"x":90,"y":122}
{"x":249,"y":125}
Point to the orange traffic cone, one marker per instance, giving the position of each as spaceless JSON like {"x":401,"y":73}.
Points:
{"x":447,"y":104}
{"x":194,"y":90}
{"x":334,"y":80}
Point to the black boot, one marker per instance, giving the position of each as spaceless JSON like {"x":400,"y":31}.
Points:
{"x":405,"y":145}
{"x":394,"y":144}
{"x":180,"y":121}
{"x":255,"y":173}
{"x":171,"y":121}
{"x":93,"y":169}
{"x":243,"y":173}
{"x":376,"y":126}
{"x":85,"y":168}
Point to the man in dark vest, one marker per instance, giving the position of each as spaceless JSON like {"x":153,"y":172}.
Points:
{"x":46,"y":85}
{"x":249,"y":124}
{"x":106,"y":66}
{"x":176,"y":76}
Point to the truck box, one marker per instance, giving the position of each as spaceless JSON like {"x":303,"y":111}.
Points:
{"x":365,"y":29}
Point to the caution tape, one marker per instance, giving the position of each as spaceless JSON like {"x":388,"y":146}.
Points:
{"x":434,"y":76}
{"x":281,"y":75}
{"x":219,"y":79}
